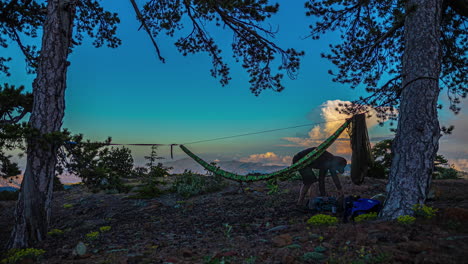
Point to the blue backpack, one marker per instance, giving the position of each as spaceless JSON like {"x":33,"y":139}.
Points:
{"x":355,"y":206}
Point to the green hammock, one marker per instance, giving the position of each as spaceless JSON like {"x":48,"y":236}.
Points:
{"x":309,"y":158}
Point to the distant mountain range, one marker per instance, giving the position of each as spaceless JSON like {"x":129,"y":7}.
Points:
{"x":8,"y":189}
{"x":179,"y":166}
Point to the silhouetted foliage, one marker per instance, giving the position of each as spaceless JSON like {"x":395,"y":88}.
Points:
{"x":251,"y":41}
{"x":14,"y":105}
{"x":382,"y":154}
{"x":8,"y":195}
{"x":25,"y":18}
{"x":99,"y":167}
{"x":189,"y":184}
{"x":372,"y":47}
{"x":152,"y":176}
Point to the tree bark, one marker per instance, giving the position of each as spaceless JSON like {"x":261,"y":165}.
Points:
{"x":33,"y":208}
{"x":418,"y":132}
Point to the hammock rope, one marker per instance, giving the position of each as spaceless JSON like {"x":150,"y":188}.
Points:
{"x":305,"y":161}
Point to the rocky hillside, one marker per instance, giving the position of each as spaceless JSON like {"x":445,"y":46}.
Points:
{"x":231,"y":226}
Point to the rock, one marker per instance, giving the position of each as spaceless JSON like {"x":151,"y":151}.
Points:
{"x":320,"y":249}
{"x":226,"y":254}
{"x":326,"y":245}
{"x":294,"y":246}
{"x":172,"y":260}
{"x":414,"y":246}
{"x":134,"y":258}
{"x":288,"y":260}
{"x":455,"y":214}
{"x":282,"y":240}
{"x":277,"y":228}
{"x":79,"y":250}
{"x":309,"y":256}
{"x":186,"y":253}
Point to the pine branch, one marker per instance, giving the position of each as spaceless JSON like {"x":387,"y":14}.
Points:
{"x":143,"y":23}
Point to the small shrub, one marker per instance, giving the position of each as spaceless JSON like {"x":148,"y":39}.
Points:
{"x":227,"y":230}
{"x":424,"y":211}
{"x":190,"y":184}
{"x":55,"y":232}
{"x":321,"y":219}
{"x":92,"y":235}
{"x":104,"y":229}
{"x":273,"y":187}
{"x":406,"y":219}
{"x":16,"y":255}
{"x":152,"y":176}
{"x":67,"y":206}
{"x":365,"y":217}
{"x":100,"y":167}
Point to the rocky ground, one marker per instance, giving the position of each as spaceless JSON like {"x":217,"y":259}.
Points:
{"x":244,"y":227}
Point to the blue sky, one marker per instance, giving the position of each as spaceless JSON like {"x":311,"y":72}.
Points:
{"x":128,"y":94}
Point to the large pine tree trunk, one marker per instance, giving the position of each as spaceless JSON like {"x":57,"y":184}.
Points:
{"x":417,"y":138}
{"x":34,"y":204}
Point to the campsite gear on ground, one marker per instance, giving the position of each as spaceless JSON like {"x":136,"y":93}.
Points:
{"x":354,"y":206}
{"x":323,"y":204}
{"x":379,"y":197}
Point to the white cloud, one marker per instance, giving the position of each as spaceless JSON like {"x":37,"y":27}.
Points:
{"x":460,"y":164}
{"x":332,"y":121}
{"x":268,"y":158}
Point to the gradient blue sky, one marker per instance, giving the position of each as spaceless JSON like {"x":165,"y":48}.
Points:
{"x":128,"y":94}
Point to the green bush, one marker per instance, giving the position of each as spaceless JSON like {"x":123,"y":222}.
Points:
{"x":151,"y":177}
{"x":104,"y":229}
{"x":406,"y":219}
{"x":92,"y":235}
{"x":424,"y":211}
{"x":100,"y":167}
{"x":365,"y":217}
{"x":321,"y":219}
{"x":55,"y":232}
{"x":190,"y":184}
{"x":17,"y":255}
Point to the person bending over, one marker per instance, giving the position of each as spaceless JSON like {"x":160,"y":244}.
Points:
{"x":326,"y":162}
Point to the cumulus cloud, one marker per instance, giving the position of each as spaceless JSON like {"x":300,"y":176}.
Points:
{"x":332,"y":120}
{"x":268,"y":158}
{"x":460,"y":164}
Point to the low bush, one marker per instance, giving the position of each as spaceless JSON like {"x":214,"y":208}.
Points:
{"x":424,"y":211}
{"x":55,"y":232}
{"x":92,"y":235}
{"x":322,"y":219}
{"x":18,"y":255}
{"x":104,"y":229}
{"x":190,"y":184}
{"x":365,"y":217}
{"x":406,"y":219}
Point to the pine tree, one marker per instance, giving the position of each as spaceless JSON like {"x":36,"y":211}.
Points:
{"x":404,"y":53}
